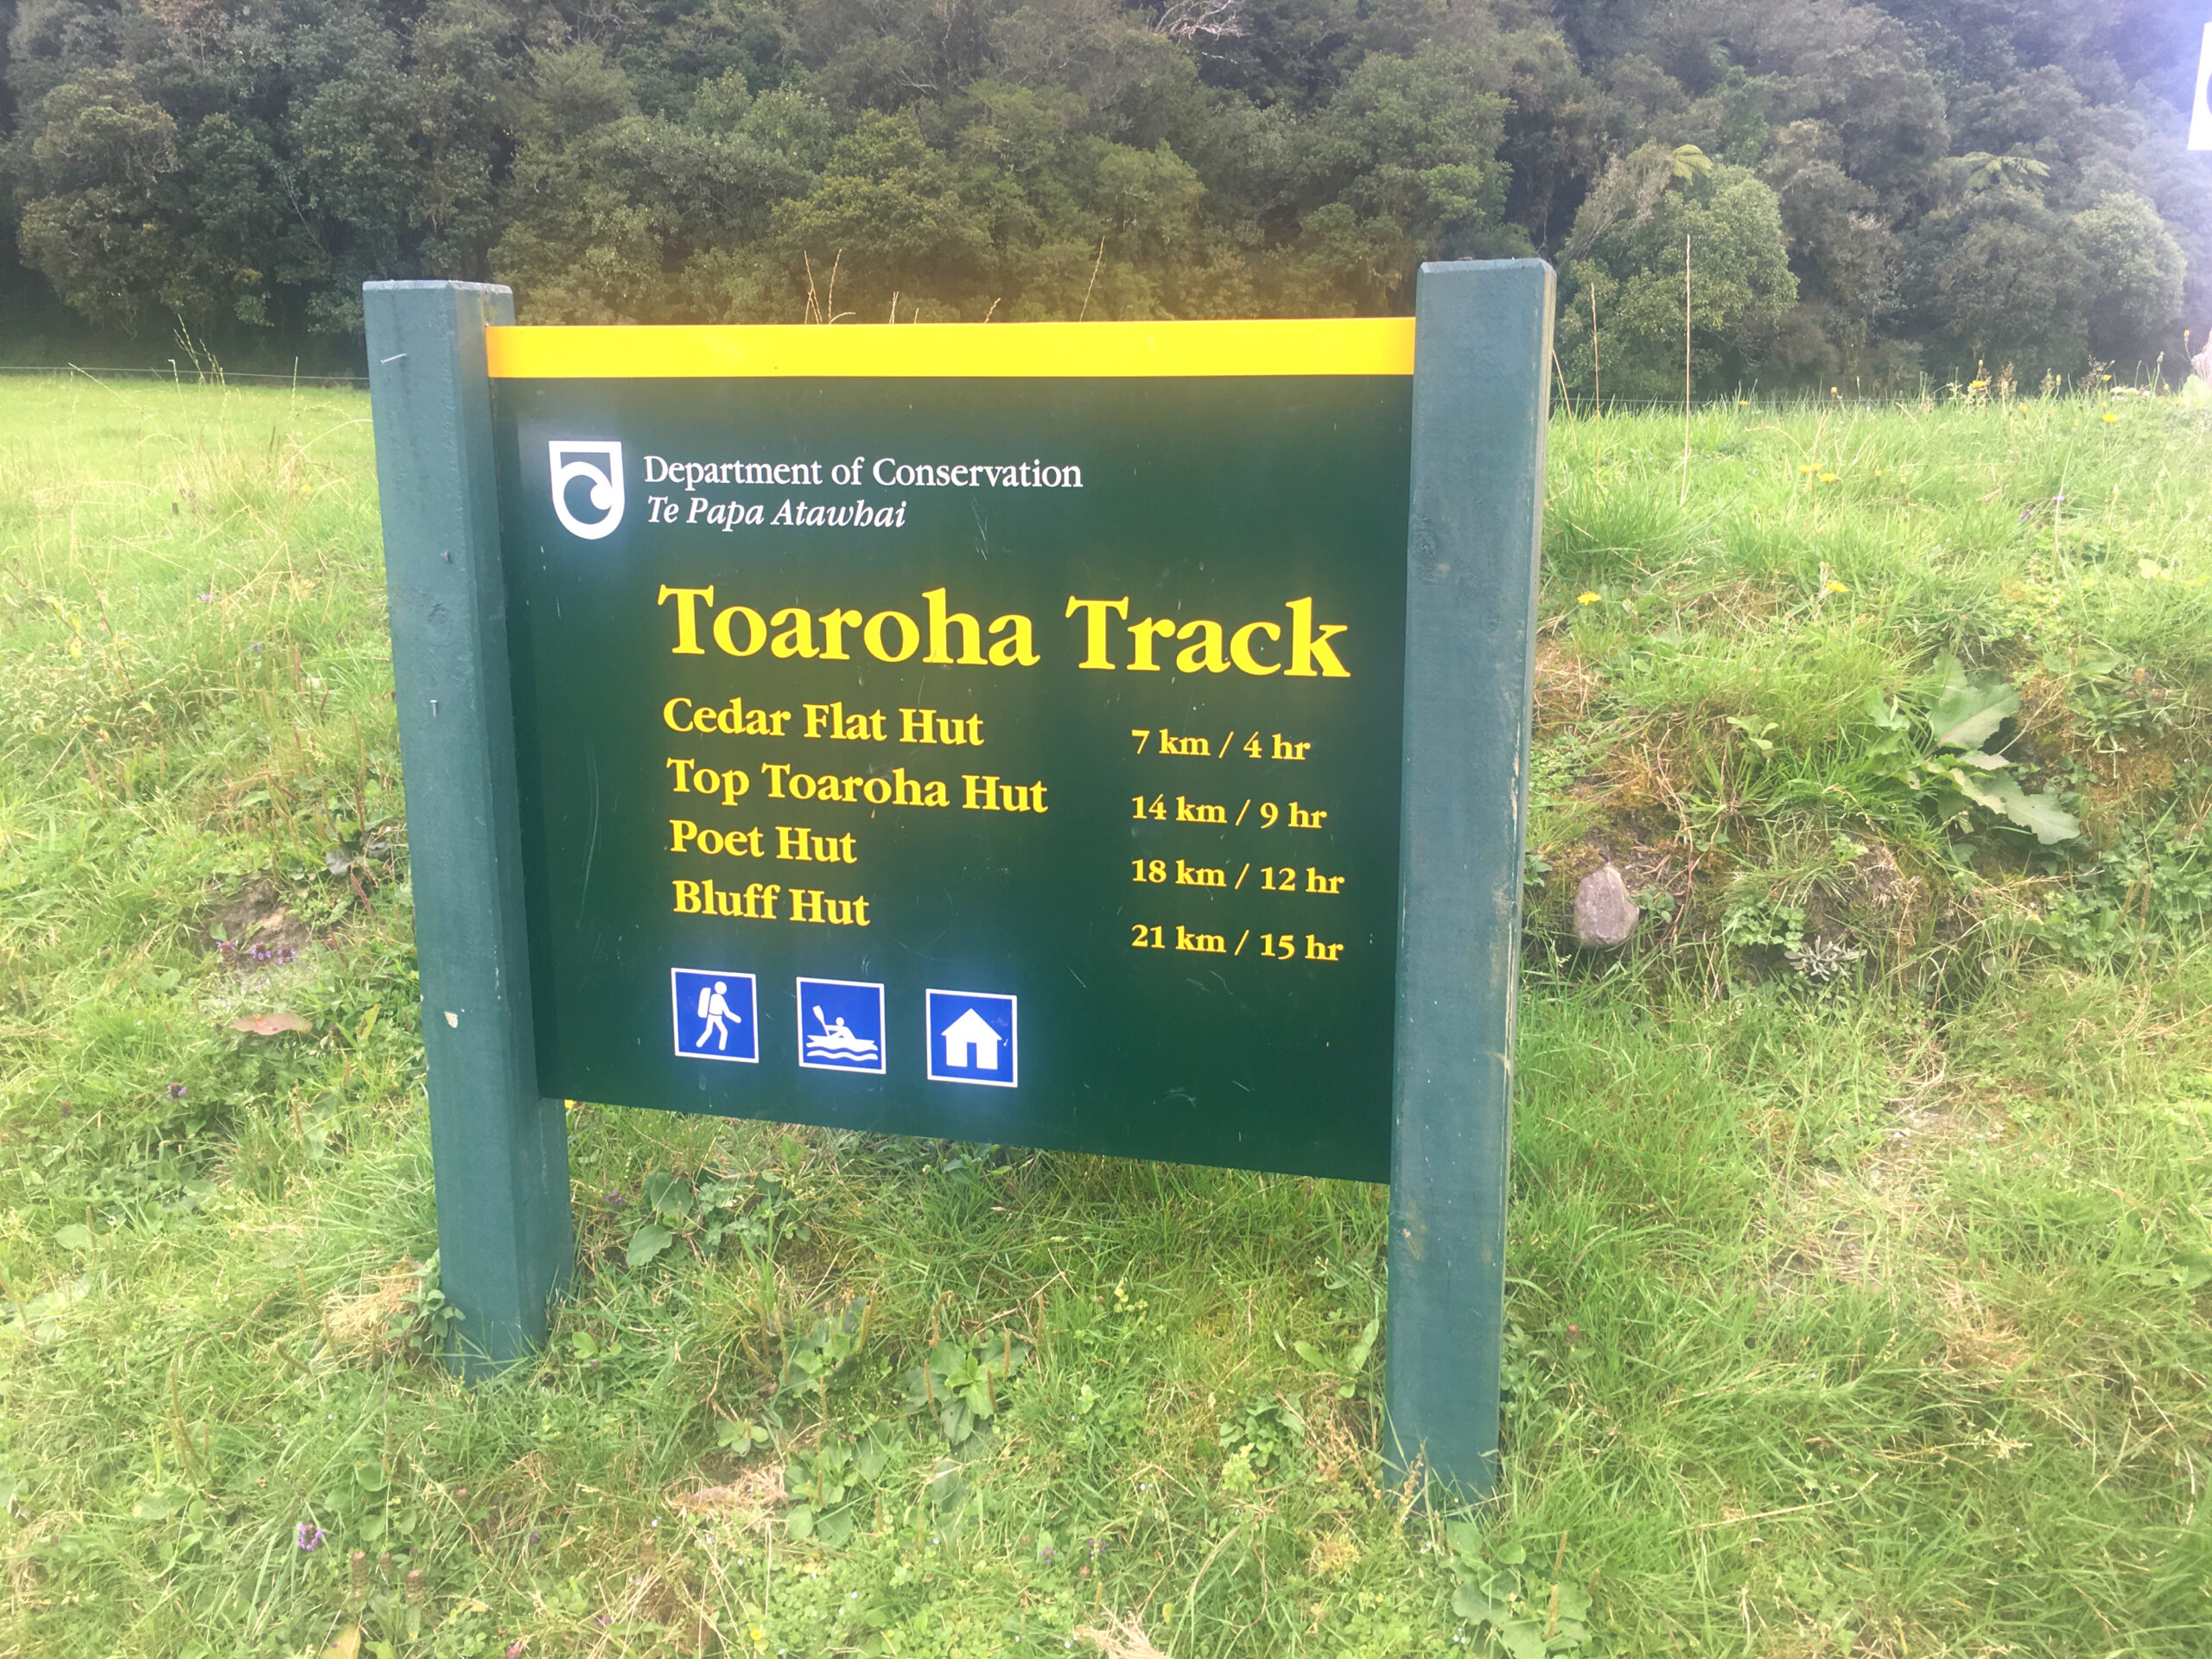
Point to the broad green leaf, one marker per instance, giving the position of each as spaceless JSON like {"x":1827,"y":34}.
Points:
{"x":2042,"y":813}
{"x":75,"y":1237}
{"x":1471,"y":1603}
{"x":800,"y":1522}
{"x":648,"y":1241}
{"x":1357,"y":1358}
{"x":1464,"y":1537}
{"x":1311,"y":1355}
{"x":667,"y":1195}
{"x":1885,"y":712}
{"x":1980,"y":793}
{"x":1523,"y":1638}
{"x":1972,"y":707}
{"x":836,"y":1528}
{"x":1574,"y":1602}
{"x":1512,"y":1554}
{"x":739,"y":1435}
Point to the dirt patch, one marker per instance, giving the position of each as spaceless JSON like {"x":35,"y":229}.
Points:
{"x":253,"y":928}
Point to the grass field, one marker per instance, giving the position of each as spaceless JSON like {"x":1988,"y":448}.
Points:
{"x":1858,"y":1302}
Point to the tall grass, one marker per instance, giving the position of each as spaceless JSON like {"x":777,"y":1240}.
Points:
{"x":1869,"y":1319}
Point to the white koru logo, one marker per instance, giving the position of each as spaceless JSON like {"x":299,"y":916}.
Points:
{"x":601,"y":462}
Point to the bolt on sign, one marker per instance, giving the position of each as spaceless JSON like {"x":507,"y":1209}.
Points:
{"x":1107,"y":737}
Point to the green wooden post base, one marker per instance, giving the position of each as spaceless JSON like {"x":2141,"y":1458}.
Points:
{"x":500,"y":1151}
{"x":1481,"y":394}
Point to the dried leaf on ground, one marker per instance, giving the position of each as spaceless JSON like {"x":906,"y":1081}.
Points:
{"x":269,"y":1025}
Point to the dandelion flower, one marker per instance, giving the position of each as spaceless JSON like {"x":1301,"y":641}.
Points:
{"x":2111,"y":418}
{"x":1827,"y":478}
{"x":1588,"y":598}
{"x":1832,"y":586}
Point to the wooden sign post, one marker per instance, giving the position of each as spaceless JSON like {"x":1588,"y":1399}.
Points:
{"x":1110,"y":737}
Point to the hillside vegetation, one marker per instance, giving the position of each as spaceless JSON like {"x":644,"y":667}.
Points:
{"x":1861,"y":1247}
{"x":1866,"y":191}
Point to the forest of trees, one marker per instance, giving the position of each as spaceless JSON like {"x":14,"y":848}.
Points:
{"x":1870,"y":190}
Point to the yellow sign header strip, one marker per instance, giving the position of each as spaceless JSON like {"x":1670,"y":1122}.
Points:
{"x":1058,"y":350}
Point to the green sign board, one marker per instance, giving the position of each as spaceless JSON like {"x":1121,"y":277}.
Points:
{"x":1106,"y":737}
{"x":1054,"y":719}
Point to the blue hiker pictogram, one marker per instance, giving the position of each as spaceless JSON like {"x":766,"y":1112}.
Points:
{"x":715,"y":1017}
{"x":840,"y":1025}
{"x":971,"y":1038}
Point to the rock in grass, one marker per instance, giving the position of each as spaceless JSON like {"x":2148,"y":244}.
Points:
{"x":1605,"y":916}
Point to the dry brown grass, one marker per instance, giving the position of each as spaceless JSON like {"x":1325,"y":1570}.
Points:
{"x":749,"y":1500}
{"x":1123,"y":1638}
{"x":372,"y":1323}
{"x":1565,"y":684}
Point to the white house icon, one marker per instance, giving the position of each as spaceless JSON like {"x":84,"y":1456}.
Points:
{"x":970,"y":1044}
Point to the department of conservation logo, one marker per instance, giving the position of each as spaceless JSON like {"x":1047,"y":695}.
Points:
{"x":597,"y":465}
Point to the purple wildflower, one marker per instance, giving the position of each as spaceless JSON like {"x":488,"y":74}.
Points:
{"x":514,"y":1649}
{"x":308,"y":1537}
{"x":177,"y":1091}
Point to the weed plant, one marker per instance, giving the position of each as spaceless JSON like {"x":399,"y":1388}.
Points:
{"x":1860,"y":1246}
